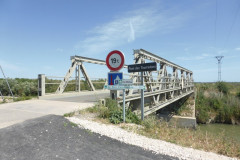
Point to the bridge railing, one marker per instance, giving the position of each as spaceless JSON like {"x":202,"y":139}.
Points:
{"x":49,"y":84}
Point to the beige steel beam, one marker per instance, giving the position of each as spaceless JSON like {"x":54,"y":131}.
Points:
{"x":155,"y":58}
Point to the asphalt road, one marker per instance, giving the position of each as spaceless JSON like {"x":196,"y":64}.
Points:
{"x":13,"y":113}
{"x":89,"y":98}
{"x":54,"y":137}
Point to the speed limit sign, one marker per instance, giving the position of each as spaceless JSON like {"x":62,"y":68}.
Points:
{"x":115,"y":60}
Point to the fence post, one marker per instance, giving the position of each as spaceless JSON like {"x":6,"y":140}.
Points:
{"x":41,"y":85}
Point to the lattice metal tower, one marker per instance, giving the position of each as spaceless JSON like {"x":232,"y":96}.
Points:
{"x":219,"y":58}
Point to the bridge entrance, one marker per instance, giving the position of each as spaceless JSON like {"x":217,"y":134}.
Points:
{"x":165,"y":86}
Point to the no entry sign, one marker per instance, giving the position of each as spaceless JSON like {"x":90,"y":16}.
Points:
{"x":115,"y":60}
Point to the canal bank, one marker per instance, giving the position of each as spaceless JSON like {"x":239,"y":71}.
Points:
{"x":228,"y":130}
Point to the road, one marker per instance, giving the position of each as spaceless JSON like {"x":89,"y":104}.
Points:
{"x":12,"y":113}
{"x":53,"y":137}
{"x":90,"y":98}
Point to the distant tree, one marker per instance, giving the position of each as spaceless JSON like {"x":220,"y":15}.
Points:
{"x":238,"y":95}
{"x":222,"y":87}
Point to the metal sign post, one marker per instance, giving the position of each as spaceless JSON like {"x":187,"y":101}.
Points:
{"x":141,"y":68}
{"x":142,"y":98}
{"x":115,"y":61}
{"x":124,"y":105}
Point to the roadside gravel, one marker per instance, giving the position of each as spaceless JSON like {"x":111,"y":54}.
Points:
{"x":157,"y":146}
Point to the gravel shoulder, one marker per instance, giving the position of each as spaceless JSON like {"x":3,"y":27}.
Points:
{"x":56,"y":138}
{"x":156,"y":146}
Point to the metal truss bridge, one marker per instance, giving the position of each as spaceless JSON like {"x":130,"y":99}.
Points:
{"x":168,"y":84}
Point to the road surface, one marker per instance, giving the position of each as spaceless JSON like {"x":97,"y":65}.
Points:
{"x":12,"y":113}
{"x":54,"y":137}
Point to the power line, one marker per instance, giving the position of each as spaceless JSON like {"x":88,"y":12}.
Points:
{"x":219,"y":58}
{"x":231,"y":27}
{"x":215,"y":24}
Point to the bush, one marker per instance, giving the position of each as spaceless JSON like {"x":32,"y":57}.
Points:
{"x":220,"y":109}
{"x":222,"y":87}
{"x":20,"y":87}
{"x":115,"y":113}
{"x":238,"y":95}
{"x":150,"y":122}
{"x":116,"y":116}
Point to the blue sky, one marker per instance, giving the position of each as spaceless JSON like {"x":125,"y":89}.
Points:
{"x":40,"y":36}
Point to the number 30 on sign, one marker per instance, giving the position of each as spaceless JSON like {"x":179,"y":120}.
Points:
{"x":115,"y":60}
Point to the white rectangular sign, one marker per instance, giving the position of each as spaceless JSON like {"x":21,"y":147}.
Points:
{"x":121,"y":87}
{"x":126,"y":82}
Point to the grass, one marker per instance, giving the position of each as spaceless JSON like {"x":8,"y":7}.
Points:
{"x":113,"y":113}
{"x":70,"y":114}
{"x":23,"y":98}
{"x":65,"y":124}
{"x":17,"y":99}
{"x":154,"y":128}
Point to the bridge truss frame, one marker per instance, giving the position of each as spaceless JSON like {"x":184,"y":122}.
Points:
{"x":160,"y":92}
{"x":165,"y":89}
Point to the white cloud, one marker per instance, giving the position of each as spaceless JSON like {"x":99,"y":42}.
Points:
{"x":198,"y":57}
{"x":59,"y":50}
{"x":132,"y":33}
{"x":9,"y":66}
{"x":222,"y":51}
{"x":128,"y":28}
{"x":237,"y":49}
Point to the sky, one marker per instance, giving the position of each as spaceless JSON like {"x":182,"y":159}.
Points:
{"x":38,"y":37}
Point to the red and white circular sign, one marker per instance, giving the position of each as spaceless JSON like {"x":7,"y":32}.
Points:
{"x":115,"y":60}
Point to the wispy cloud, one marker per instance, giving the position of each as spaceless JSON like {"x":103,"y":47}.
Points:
{"x":237,"y":49}
{"x":9,"y":66}
{"x":132,"y":33}
{"x":59,"y":50}
{"x":199,"y":57}
{"x":128,"y":27}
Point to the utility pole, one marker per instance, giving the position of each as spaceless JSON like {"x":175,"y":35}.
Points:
{"x":219,"y":58}
{"x":7,"y":82}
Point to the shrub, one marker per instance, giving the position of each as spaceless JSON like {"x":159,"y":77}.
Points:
{"x":115,"y":113}
{"x":149,"y":122}
{"x":222,"y":87}
{"x":238,"y":95}
{"x":116,"y":116}
{"x":221,"y":109}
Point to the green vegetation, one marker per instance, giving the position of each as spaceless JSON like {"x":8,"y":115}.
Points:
{"x":65,"y":124}
{"x":114,"y":113}
{"x":238,"y":95}
{"x":70,"y":114}
{"x":25,"y":89}
{"x":194,"y":138}
{"x":20,"y":87}
{"x":218,"y":102}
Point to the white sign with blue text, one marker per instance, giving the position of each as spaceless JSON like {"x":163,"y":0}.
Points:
{"x":114,"y":78}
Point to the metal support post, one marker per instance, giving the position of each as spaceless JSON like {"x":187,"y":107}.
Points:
{"x":114,"y":94}
{"x":7,"y":82}
{"x":79,"y":79}
{"x":142,"y":98}
{"x":124,"y":105}
{"x":1,"y":95}
{"x":41,"y":85}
